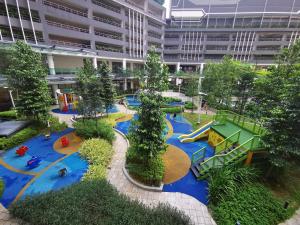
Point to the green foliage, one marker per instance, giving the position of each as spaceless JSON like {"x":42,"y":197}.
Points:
{"x":225,"y":181}
{"x":18,"y":138}
{"x":176,"y":109}
{"x":147,"y":141}
{"x":190,"y":105}
{"x":108,"y":92}
{"x":194,"y":117}
{"x":252,"y":205}
{"x":92,"y":202}
{"x":156,"y":74}
{"x":277,"y":98}
{"x":1,"y":187}
{"x":55,"y":125}
{"x":89,"y":88}
{"x":99,"y":153}
{"x":171,"y":99}
{"x":11,"y":114}
{"x":94,"y":129}
{"x":27,"y":76}
{"x":235,"y":196}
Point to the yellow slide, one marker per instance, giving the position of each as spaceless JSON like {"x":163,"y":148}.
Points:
{"x":197,"y":134}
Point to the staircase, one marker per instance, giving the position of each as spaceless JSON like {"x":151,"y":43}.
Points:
{"x":201,"y":168}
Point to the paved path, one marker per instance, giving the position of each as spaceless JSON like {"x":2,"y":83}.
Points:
{"x":192,"y":207}
{"x":295,"y":220}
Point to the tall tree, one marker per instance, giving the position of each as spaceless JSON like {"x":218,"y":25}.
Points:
{"x":278,"y":100}
{"x":26,"y":75}
{"x":108,"y":89}
{"x":89,"y":89}
{"x":192,"y":87}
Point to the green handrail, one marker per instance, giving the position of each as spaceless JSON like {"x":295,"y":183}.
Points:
{"x":198,"y":155}
{"x":223,"y":145}
{"x":224,"y":159}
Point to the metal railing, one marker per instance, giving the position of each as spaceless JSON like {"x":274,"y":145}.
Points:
{"x":107,"y":20}
{"x":112,"y":36}
{"x":229,"y":141}
{"x":108,"y":49}
{"x":66,"y":26}
{"x":72,"y":44}
{"x":64,"y":8}
{"x":198,"y":155}
{"x":109,"y":7}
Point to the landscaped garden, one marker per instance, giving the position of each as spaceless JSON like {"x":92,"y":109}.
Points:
{"x":245,"y":169}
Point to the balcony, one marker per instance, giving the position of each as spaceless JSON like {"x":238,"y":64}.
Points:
{"x":107,"y":6}
{"x":70,"y":44}
{"x":109,"y":35}
{"x":107,"y":21}
{"x":13,"y":12}
{"x":109,"y":48}
{"x":67,"y":26}
{"x":64,"y":8}
{"x":134,"y":4}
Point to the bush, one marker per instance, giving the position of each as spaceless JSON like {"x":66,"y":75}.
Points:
{"x":150,"y":173}
{"x":55,"y":125}
{"x":94,"y":129}
{"x":12,"y":114}
{"x":98,"y":153}
{"x":251,"y":205}
{"x":190,"y":105}
{"x":18,"y":138}
{"x":92,"y":202}
{"x":172,"y":110}
{"x":171,"y":99}
{"x":1,"y":187}
{"x":227,"y":180}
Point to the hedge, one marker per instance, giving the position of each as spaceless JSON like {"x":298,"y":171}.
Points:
{"x":12,"y":114}
{"x":92,"y":202}
{"x":99,"y":153}
{"x":18,"y":138}
{"x":190,"y":105}
{"x":172,"y":110}
{"x":1,"y":187}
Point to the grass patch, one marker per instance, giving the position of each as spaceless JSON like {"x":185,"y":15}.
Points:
{"x":93,"y":202}
{"x":11,"y":114}
{"x":111,"y":118}
{"x":193,"y":118}
{"x":1,"y":187}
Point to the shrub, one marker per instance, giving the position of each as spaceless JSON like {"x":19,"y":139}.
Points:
{"x":94,"y":129}
{"x":251,"y":205}
{"x":55,"y":125}
{"x":190,"y":105}
{"x":171,"y":99}
{"x":227,"y":180}
{"x":92,"y":202}
{"x":18,"y":138}
{"x":1,"y":187}
{"x":12,"y":114}
{"x":98,"y":153}
{"x":172,"y":110}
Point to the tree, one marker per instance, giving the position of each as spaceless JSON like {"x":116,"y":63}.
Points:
{"x":278,"y":100}
{"x":192,"y":87}
{"x":26,"y":75}
{"x":108,"y":90}
{"x":89,"y":89}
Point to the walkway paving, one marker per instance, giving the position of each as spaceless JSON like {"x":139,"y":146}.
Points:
{"x":190,"y":206}
{"x":295,"y":220}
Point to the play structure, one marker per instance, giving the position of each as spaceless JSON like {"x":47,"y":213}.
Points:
{"x":234,"y":138}
{"x":197,"y":134}
{"x":67,"y":101}
{"x":33,"y":162}
{"x":22,"y":150}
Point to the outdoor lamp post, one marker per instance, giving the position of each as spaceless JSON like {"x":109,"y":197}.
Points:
{"x":11,"y":97}
{"x":201,"y":94}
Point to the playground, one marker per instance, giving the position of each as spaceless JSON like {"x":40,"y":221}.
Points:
{"x":35,"y":167}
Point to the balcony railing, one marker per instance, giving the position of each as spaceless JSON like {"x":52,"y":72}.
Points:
{"x":72,"y":44}
{"x":106,"y":35}
{"x":109,"y":7}
{"x":108,"y":49}
{"x":134,"y":4}
{"x":64,"y":8}
{"x":68,"y":27}
{"x":107,"y":20}
{"x":269,"y":39}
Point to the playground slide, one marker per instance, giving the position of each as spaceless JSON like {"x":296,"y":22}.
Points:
{"x":197,"y":134}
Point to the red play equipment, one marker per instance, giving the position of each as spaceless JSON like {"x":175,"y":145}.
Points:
{"x":64,"y":141}
{"x":22,"y":150}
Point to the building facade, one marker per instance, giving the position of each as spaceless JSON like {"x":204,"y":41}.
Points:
{"x":66,"y":32}
{"x":251,"y":31}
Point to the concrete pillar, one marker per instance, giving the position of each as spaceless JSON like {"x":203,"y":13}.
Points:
{"x":178,"y":67}
{"x":110,"y":65}
{"x":95,"y":63}
{"x":131,"y":66}
{"x":201,"y":68}
{"x":51,"y":64}
{"x":131,"y":85}
{"x":125,"y":84}
{"x":124,"y":65}
{"x":54,"y":89}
